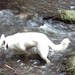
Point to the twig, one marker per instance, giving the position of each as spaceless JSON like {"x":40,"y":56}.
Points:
{"x":11,"y":69}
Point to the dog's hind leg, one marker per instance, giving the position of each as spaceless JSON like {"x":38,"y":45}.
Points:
{"x":43,"y":52}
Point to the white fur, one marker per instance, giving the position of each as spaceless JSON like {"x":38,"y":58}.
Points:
{"x":22,"y":41}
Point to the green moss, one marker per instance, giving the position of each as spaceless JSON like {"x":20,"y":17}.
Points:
{"x":67,"y":15}
{"x":3,"y":73}
{"x":70,"y":65}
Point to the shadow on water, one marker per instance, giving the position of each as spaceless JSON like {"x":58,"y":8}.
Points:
{"x":11,"y":23}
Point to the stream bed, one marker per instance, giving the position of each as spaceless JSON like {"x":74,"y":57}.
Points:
{"x":11,"y":23}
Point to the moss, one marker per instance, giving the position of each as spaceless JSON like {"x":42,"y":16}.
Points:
{"x":3,"y":73}
{"x":70,"y":65}
{"x":67,"y":15}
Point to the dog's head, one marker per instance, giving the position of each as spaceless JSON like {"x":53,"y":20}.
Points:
{"x":2,"y":41}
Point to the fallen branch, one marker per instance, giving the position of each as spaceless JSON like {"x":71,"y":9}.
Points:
{"x":11,"y":69}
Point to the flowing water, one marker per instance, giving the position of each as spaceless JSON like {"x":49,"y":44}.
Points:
{"x":11,"y":23}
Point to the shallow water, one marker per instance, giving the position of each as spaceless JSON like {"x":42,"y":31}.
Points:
{"x":11,"y":23}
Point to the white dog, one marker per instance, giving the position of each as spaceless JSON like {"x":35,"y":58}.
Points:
{"x":22,"y":41}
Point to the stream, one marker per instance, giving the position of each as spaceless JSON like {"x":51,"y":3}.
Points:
{"x":11,"y":23}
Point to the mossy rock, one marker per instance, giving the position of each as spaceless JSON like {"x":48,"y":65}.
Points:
{"x":64,"y":15}
{"x":67,"y":15}
{"x":70,"y":65}
{"x":3,"y":73}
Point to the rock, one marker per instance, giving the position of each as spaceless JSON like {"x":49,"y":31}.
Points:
{"x":5,"y":3}
{"x":62,"y":15}
{"x":70,"y":64}
{"x":26,"y":15}
{"x":67,"y":15}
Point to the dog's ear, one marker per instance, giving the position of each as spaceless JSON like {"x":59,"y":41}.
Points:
{"x":2,"y":37}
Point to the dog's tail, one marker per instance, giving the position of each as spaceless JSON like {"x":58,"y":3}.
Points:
{"x":62,"y":46}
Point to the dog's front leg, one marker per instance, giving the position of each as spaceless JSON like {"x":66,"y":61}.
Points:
{"x":22,"y":47}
